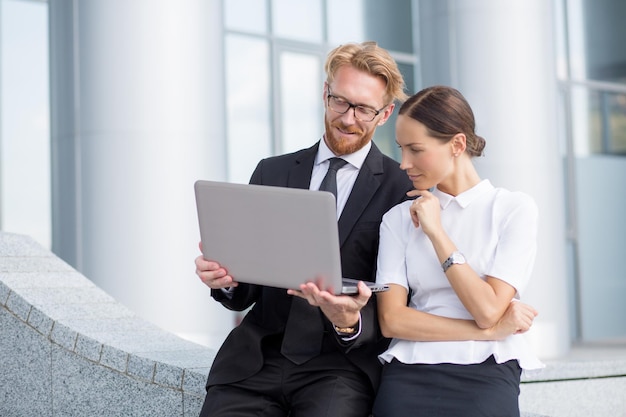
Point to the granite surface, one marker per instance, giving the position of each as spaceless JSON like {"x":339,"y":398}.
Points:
{"x":69,"y":349}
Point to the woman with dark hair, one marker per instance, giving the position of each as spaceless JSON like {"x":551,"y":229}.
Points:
{"x":461,"y":253}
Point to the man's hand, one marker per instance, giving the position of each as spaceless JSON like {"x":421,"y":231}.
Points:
{"x":341,"y":310}
{"x":212,"y":274}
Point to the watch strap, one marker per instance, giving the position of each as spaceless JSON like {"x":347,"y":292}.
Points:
{"x":455,"y":257}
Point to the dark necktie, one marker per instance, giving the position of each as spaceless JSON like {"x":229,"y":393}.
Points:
{"x":304,"y":331}
{"x":329,"y":183}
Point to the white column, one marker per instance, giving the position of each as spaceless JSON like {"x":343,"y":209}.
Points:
{"x":147,"y":121}
{"x":500,"y":55}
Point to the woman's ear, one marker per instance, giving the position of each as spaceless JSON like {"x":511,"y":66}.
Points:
{"x":459,"y":144}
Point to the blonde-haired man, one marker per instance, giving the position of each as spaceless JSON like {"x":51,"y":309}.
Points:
{"x":336,"y":372}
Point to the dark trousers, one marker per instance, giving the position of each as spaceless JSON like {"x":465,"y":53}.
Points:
{"x":318,"y":388}
{"x":449,"y":390}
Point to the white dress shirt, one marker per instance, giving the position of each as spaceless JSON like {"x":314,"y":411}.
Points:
{"x":346,"y":175}
{"x":496,"y":230}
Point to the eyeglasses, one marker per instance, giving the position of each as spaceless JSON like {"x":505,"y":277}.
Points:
{"x":361,"y":113}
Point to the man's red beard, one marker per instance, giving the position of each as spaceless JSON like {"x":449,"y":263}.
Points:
{"x":339,"y":144}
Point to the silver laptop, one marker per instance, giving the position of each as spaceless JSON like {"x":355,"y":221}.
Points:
{"x":273,"y":236}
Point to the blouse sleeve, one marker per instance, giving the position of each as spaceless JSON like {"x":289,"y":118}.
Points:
{"x":517,"y":244}
{"x":391,"y":264}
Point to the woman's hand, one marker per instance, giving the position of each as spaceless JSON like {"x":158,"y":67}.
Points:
{"x":517,"y":319}
{"x":425,"y":211}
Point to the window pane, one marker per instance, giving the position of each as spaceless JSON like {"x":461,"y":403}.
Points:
{"x":25,"y":118}
{"x":616,"y":106}
{"x":391,"y":27}
{"x":248,"y":105}
{"x":301,"y":100}
{"x":385,"y":137}
{"x":246,"y":15}
{"x":586,"y":121}
{"x":340,"y":29}
{"x":599,"y":122}
{"x":605,"y":35}
{"x":297,"y":19}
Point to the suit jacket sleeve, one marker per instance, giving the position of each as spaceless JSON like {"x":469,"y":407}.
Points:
{"x":370,"y":330}
{"x":242,"y":296}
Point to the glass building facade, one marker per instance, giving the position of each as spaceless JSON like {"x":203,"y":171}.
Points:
{"x":274,"y":69}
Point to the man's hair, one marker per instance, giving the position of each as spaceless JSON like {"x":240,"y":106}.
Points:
{"x":374,"y":60}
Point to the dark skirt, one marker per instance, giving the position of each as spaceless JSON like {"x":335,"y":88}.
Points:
{"x":485,"y":389}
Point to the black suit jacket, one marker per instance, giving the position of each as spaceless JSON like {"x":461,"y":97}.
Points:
{"x":379,"y":186}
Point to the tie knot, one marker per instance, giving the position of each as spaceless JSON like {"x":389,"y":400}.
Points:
{"x":336,"y":163}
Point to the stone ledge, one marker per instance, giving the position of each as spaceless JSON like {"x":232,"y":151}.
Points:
{"x":578,"y":387}
{"x":107,"y":333}
{"x":562,"y":370}
{"x":51,"y":301}
{"x":68,"y":343}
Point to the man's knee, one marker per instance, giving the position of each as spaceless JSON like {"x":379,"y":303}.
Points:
{"x":229,"y":401}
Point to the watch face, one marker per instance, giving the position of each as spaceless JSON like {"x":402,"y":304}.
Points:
{"x":455,"y":258}
{"x":458,"y":258}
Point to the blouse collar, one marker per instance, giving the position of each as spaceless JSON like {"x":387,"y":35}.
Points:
{"x":466,"y":197}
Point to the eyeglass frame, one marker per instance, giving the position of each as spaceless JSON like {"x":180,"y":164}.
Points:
{"x":352,"y":106}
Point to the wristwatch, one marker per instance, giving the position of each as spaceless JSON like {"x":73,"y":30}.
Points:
{"x":345,"y":331}
{"x":455,"y":258}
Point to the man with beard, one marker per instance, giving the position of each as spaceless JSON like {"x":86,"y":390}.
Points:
{"x":255,"y":372}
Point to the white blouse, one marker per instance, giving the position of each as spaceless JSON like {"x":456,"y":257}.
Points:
{"x":496,"y":230}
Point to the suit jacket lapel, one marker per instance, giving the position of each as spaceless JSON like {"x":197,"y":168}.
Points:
{"x":362,"y":192}
{"x":300,"y":173}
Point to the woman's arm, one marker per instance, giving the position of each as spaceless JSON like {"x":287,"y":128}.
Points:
{"x":486,"y":300}
{"x":398,"y":320}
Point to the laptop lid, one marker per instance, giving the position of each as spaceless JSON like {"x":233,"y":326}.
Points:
{"x":274,"y":236}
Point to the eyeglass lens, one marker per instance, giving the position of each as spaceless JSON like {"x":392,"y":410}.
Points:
{"x":341,"y":106}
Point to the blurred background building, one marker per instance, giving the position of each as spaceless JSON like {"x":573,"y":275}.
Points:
{"x":111,"y":109}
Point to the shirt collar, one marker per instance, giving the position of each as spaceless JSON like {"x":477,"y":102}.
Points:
{"x":355,"y":159}
{"x":466,"y":197}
